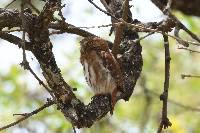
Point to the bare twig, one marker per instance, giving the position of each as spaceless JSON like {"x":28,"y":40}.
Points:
{"x":21,"y":114}
{"x":88,"y":27}
{"x":176,"y":34}
{"x":133,"y":26}
{"x":165,"y":123}
{"x":9,"y":3}
{"x":40,"y":81}
{"x":192,"y":51}
{"x":183,"y":27}
{"x":183,"y":76}
{"x":49,"y":103}
{"x":69,"y":28}
{"x":24,"y":62}
{"x":178,"y":22}
{"x":143,"y":37}
{"x":105,"y":4}
{"x":100,"y":26}
{"x":107,"y":13}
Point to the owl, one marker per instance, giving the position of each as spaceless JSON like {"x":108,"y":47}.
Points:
{"x":101,"y":69}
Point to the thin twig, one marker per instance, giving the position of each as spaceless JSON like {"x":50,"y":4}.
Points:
{"x":178,"y":22}
{"x":25,"y":63}
{"x":81,"y":27}
{"x":69,"y":28}
{"x":165,"y":123}
{"x":183,"y":76}
{"x":49,"y":103}
{"x":192,"y":51}
{"x":154,"y":30}
{"x":143,"y":37}
{"x":21,"y":114}
{"x":107,"y":13}
{"x":40,"y":81}
{"x":9,"y":3}
{"x":105,"y":4}
{"x":183,"y":27}
{"x":100,"y":26}
{"x":23,"y":34}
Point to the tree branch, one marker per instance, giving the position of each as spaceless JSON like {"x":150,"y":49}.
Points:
{"x":165,"y":123}
{"x":27,"y":115}
{"x":183,"y":76}
{"x":69,"y":28}
{"x":15,"y":40}
{"x":161,"y":6}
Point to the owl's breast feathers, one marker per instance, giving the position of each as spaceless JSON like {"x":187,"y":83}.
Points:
{"x":101,"y":69}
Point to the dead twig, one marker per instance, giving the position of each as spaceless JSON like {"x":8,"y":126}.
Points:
{"x":192,"y":51}
{"x":183,"y":76}
{"x":107,"y":13}
{"x":27,"y":115}
{"x":165,"y":123}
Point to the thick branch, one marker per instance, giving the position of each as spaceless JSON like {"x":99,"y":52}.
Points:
{"x":9,"y":18}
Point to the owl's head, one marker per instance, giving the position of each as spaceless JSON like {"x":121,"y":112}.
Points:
{"x":93,"y":43}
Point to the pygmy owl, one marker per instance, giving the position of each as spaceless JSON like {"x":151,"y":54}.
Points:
{"x":101,"y":69}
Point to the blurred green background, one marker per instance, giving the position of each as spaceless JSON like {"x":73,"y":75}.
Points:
{"x":20,"y":92}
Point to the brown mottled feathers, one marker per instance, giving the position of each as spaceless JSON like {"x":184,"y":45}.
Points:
{"x":113,"y":66}
{"x":101,"y":69}
{"x":109,"y":62}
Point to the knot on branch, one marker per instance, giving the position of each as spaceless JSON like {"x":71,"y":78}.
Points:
{"x":163,"y":96}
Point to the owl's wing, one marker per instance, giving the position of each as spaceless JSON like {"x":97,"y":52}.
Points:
{"x":110,"y":63}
